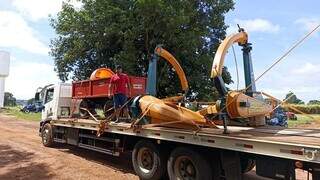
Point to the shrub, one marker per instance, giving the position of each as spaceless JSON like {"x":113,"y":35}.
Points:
{"x":308,"y":109}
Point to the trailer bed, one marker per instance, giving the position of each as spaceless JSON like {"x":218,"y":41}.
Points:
{"x":297,"y":144}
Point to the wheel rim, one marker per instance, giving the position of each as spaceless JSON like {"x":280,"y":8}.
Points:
{"x":45,"y":135}
{"x":145,"y":160}
{"x":184,"y":168}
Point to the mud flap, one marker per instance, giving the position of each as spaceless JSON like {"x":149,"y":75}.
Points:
{"x":231,"y":164}
{"x":72,"y":136}
{"x":275,"y":168}
{"x":316,"y":173}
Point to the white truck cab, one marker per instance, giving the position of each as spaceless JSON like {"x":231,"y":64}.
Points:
{"x":56,"y":99}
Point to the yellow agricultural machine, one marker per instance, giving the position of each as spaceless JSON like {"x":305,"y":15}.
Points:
{"x":246,"y":106}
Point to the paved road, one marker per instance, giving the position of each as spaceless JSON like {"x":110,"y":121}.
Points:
{"x":22,"y":156}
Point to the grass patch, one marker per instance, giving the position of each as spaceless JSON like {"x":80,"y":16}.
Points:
{"x":304,"y":120}
{"x":15,"y":111}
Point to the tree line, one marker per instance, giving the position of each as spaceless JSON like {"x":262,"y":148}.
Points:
{"x":105,"y":33}
{"x":291,"y":98}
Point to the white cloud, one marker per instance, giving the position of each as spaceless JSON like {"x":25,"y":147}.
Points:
{"x":255,"y":25}
{"x":41,"y":9}
{"x":292,"y":74}
{"x":15,"y":32}
{"x":308,"y":69}
{"x":300,"y":78}
{"x":308,"y":24}
{"x":37,"y":9}
{"x":306,"y":93}
{"x":26,"y":77}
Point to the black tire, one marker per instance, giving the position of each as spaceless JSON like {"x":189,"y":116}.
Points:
{"x":83,"y":113}
{"x":247,"y":164}
{"x":141,"y":156}
{"x":185,"y":163}
{"x":47,"y":135}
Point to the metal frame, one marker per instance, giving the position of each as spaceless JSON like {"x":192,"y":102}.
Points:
{"x":295,"y":151}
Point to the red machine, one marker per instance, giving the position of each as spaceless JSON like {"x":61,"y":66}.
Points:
{"x":92,"y":94}
{"x":99,"y":87}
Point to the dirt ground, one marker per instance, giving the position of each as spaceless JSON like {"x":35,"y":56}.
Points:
{"x":22,"y":156}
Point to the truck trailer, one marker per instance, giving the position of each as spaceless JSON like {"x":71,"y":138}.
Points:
{"x":207,"y":154}
{"x":204,"y":149}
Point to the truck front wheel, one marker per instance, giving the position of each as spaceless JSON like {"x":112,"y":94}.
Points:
{"x":148,"y":162}
{"x":47,"y":135}
{"x":186,"y":164}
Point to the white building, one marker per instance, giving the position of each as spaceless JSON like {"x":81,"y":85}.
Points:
{"x":4,"y":72}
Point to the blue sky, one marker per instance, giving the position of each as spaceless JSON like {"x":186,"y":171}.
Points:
{"x":273,"y":27}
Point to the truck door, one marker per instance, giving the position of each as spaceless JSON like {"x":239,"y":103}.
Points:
{"x":48,"y":103}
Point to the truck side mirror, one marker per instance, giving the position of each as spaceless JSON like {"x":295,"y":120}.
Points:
{"x":37,"y":96}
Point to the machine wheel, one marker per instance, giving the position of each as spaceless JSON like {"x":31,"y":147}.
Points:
{"x":247,"y":164}
{"x":107,"y":108}
{"x":187,"y":164}
{"x":148,"y":162}
{"x":83,"y":114}
{"x":90,"y":106}
{"x":47,"y":135}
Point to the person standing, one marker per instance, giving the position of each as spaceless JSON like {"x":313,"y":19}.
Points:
{"x":119,"y":87}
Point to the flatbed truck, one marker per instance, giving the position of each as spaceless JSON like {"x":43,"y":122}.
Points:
{"x":173,"y":153}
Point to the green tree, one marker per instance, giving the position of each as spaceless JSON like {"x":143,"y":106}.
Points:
{"x":9,"y":99}
{"x":292,"y":99}
{"x":314,"y":102}
{"x":104,"y":33}
{"x":30,"y":101}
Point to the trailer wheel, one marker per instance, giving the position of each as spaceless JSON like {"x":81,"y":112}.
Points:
{"x":187,"y":164}
{"x":247,"y":164}
{"x":148,"y":162}
{"x":47,"y":135}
